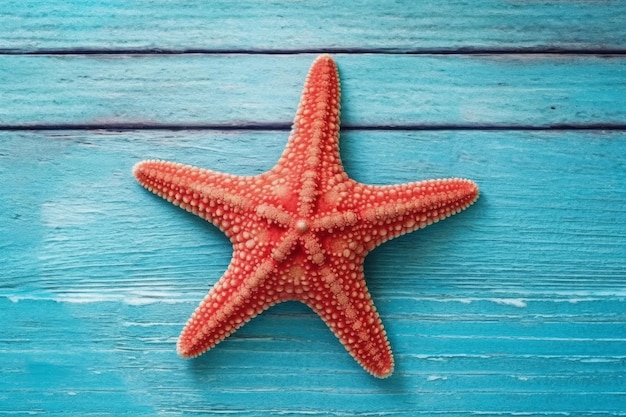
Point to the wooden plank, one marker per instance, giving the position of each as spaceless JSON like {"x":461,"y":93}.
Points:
{"x":32,"y":25}
{"x":514,"y":306}
{"x":237,"y":90}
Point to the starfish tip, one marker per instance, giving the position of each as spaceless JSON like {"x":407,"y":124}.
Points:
{"x":184,"y":352}
{"x":324,"y":57}
{"x":139,"y":168}
{"x":383,"y":373}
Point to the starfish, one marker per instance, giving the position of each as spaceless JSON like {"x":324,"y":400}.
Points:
{"x":301,"y":231}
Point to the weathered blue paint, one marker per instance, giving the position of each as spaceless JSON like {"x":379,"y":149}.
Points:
{"x":379,"y":90}
{"x":405,"y":25}
{"x":517,"y":305}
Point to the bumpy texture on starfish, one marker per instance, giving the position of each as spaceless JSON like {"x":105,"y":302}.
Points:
{"x":302,"y":230}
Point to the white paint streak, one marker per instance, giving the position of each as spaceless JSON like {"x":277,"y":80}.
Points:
{"x":515,"y":302}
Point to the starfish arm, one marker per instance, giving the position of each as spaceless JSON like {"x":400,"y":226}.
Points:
{"x":387,"y":212}
{"x":214,"y":196}
{"x":235,"y":299}
{"x":311,"y":156}
{"x":348,"y":310}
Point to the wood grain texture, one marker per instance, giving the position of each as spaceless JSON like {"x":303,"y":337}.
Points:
{"x":514,"y":307}
{"x":392,"y":26}
{"x":234,"y":90}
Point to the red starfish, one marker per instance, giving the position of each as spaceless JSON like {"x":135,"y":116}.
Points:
{"x":302,"y":230}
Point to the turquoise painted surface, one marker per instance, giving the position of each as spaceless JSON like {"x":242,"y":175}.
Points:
{"x":394,"y":26}
{"x":491,"y":303}
{"x":378,"y":89}
{"x":516,"y":306}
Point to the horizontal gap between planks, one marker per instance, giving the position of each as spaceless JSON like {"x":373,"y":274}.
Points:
{"x":539,"y":50}
{"x":287,"y":127}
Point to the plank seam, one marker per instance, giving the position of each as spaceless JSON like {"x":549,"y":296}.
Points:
{"x":542,"y":50}
{"x":287,"y":126}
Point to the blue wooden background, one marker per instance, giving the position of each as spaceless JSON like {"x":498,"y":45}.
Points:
{"x":515,"y":307}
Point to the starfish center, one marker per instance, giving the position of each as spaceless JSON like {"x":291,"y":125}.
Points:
{"x":302,"y":226}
